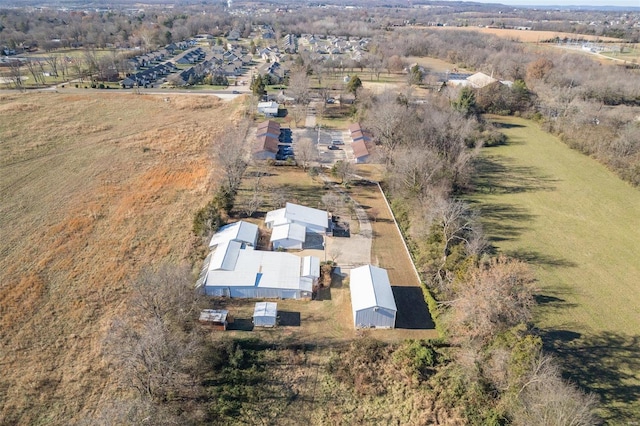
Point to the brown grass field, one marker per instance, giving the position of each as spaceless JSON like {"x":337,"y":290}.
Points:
{"x":96,"y":185}
{"x":93,"y":187}
{"x":527,"y":36}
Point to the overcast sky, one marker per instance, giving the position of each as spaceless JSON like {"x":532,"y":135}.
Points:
{"x":635,"y":3}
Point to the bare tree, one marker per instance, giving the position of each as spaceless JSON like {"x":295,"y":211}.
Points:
{"x":15,"y":74}
{"x":231,"y":156}
{"x":298,"y":89}
{"x":385,"y":120}
{"x":306,"y":152}
{"x":545,"y":398}
{"x":33,"y":70}
{"x":331,"y":201}
{"x":495,"y":297}
{"x":150,"y":348}
{"x":165,"y":293}
{"x":53,"y":62}
{"x":343,"y":170}
{"x":257,"y":200}
{"x":279,"y":197}
{"x":299,"y":114}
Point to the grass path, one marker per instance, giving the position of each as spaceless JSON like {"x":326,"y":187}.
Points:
{"x":578,"y":225}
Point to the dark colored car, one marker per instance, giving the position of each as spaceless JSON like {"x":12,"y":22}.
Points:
{"x":333,"y":147}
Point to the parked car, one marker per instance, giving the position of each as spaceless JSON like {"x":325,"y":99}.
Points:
{"x":333,"y":147}
{"x":337,"y":142}
{"x":235,"y":92}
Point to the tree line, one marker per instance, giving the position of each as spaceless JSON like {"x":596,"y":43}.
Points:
{"x":484,"y":303}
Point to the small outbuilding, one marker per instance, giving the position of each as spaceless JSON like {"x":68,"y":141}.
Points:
{"x":289,"y":236}
{"x":241,"y":231}
{"x":215,"y":318}
{"x":265,"y":314}
{"x":269,"y":109}
{"x":372,"y":300}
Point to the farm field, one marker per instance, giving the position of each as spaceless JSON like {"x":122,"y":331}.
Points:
{"x":93,"y":187}
{"x":527,"y":36}
{"x":576,"y":223}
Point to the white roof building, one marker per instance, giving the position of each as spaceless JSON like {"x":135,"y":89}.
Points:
{"x":234,"y":271}
{"x":288,"y":236}
{"x":313,"y":220}
{"x":241,"y":231}
{"x":372,"y":300}
{"x":265,"y":314}
{"x":268,"y":108}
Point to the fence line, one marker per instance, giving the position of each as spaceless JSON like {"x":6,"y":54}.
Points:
{"x":404,"y":243}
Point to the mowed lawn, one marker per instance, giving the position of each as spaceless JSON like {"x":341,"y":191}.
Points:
{"x":578,"y":225}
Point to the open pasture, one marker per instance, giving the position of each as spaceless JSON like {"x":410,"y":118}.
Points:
{"x":576,"y":224}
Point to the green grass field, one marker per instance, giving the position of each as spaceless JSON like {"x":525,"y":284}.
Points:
{"x":578,"y":225}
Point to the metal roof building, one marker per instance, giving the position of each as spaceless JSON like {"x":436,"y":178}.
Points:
{"x":236,"y":271}
{"x":372,"y":300}
{"x":265,"y":314}
{"x":314,"y":220}
{"x":288,"y":236}
{"x":241,"y":231}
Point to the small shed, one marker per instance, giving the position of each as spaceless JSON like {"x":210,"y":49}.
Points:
{"x":372,"y":299}
{"x":215,"y":318}
{"x":269,"y":109}
{"x":265,"y":314}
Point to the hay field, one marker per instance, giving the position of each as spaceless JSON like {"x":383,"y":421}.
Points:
{"x":527,"y":36}
{"x":93,"y":187}
{"x":577,"y":224}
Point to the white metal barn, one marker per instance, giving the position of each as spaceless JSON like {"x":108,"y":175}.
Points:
{"x":313,"y":220}
{"x":372,"y":300}
{"x":237,"y":270}
{"x":241,"y":231}
{"x":288,"y":236}
{"x":265,"y":314}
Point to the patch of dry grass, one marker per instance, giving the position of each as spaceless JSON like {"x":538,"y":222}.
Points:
{"x":93,"y":187}
{"x":527,"y":36}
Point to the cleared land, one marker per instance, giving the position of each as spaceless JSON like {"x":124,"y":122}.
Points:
{"x":93,"y":187}
{"x":329,"y":318}
{"x":576,"y":223}
{"x":528,"y":36}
